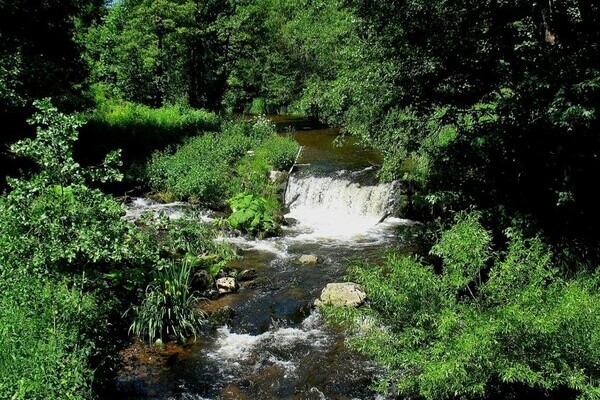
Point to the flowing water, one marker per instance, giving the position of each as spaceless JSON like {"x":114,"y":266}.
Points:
{"x":276,"y":345}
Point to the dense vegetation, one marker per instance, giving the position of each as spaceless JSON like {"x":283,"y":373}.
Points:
{"x":504,"y":324}
{"x":489,"y":106}
{"x":70,"y":266}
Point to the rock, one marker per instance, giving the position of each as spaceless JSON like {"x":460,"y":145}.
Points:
{"x":201,"y":280}
{"x":278,"y":177}
{"x":227,"y":285}
{"x":221,"y":316}
{"x":308,"y":259}
{"x":288,"y":221}
{"x":347,"y":294}
{"x":247,"y":275}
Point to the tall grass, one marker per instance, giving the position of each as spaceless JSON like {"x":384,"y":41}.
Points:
{"x":139,"y":130}
{"x":169,"y":306}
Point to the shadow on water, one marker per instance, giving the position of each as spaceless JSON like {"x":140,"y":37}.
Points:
{"x":276,"y":346}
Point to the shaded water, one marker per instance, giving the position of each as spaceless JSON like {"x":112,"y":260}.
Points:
{"x":276,"y":346}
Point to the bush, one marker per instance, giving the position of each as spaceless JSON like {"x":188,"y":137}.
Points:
{"x":215,"y":167}
{"x":190,"y":241}
{"x":69,"y":264}
{"x":253,"y":214}
{"x":279,"y":152}
{"x":525,"y":327}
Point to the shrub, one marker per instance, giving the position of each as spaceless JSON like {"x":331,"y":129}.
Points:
{"x":252,"y":214}
{"x":215,"y":167}
{"x":55,"y":232}
{"x":52,"y":222}
{"x":525,"y":327}
{"x":188,"y":240}
{"x":279,"y":152}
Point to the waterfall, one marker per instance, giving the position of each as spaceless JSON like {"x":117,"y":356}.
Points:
{"x":340,"y":196}
{"x":338,"y":207}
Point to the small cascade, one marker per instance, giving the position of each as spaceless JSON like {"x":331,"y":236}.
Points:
{"x":340,"y":195}
{"x":339,"y":207}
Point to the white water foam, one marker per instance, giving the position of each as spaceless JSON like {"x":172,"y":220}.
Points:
{"x":175,"y":210}
{"x":274,"y":245}
{"x":233,"y":349}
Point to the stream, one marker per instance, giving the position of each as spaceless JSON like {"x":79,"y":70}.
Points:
{"x":276,"y":346}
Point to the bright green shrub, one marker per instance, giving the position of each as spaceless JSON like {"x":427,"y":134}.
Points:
{"x":525,"y":327}
{"x":279,"y":152}
{"x":464,"y":249}
{"x":258,"y":106}
{"x":252,"y":214}
{"x":52,"y":222}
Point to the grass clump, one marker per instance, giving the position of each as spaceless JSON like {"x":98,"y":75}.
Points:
{"x":169,"y":306}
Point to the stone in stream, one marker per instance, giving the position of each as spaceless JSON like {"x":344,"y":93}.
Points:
{"x":308,"y":259}
{"x":247,"y":275}
{"x":201,"y":280}
{"x":278,"y":177}
{"x":221,"y":316}
{"x":227,"y":285}
{"x":347,"y":294}
{"x":288,"y":221}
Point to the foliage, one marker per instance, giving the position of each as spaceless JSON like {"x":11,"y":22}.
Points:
{"x":526,"y":325}
{"x":278,"y":152}
{"x":252,"y":214}
{"x":51,"y":221}
{"x":56,"y":237}
{"x":43,"y":350}
{"x":189,"y":241}
{"x":46,"y":61}
{"x":70,"y":265}
{"x":168,"y":308}
{"x":159,"y":52}
{"x":52,"y":149}
{"x":214,"y":167}
{"x":463,"y":259}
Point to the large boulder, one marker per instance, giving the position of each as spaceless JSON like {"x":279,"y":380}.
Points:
{"x":308,"y":259}
{"x":347,"y":294}
{"x":227,"y":285}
